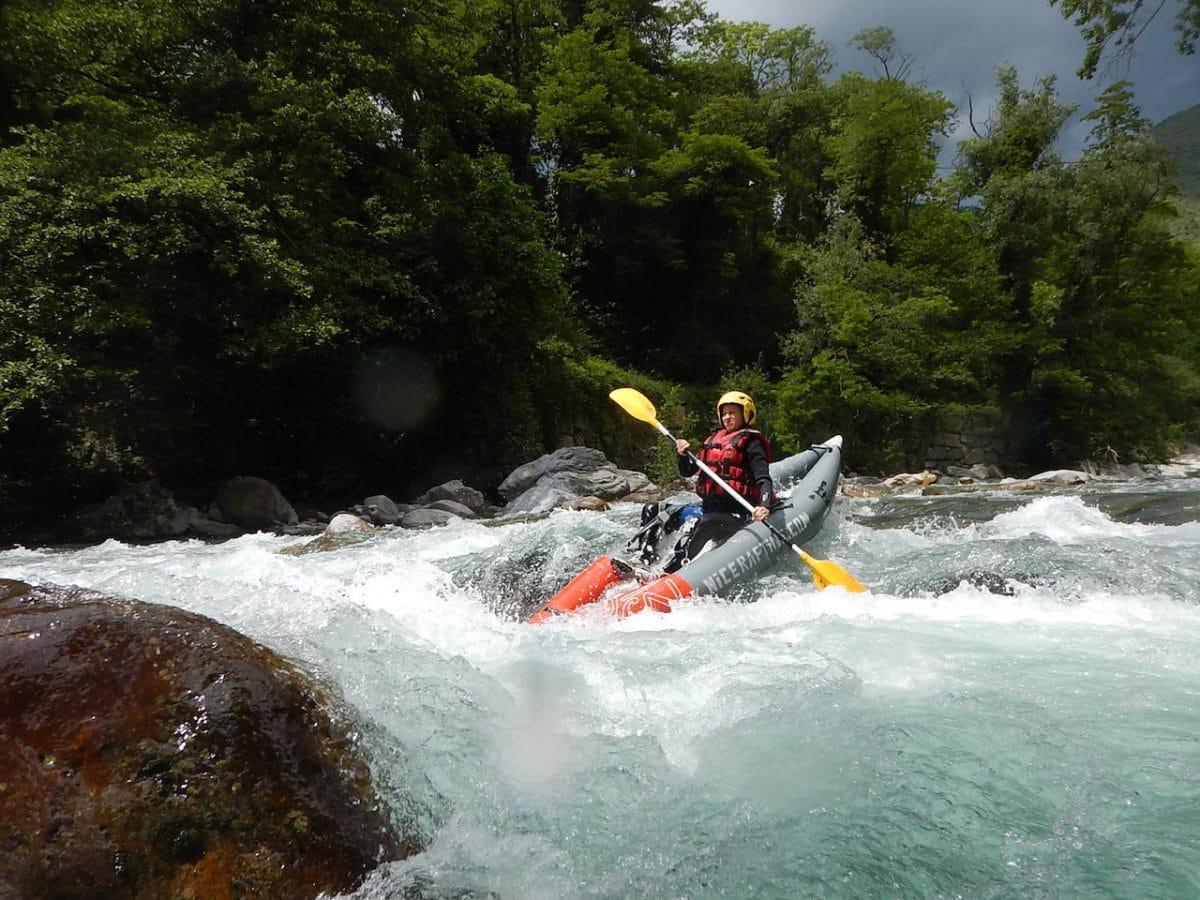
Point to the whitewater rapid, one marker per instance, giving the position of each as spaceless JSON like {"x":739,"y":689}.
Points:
{"x":1013,"y":710}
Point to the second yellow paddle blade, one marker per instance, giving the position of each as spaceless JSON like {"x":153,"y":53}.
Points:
{"x":826,"y":573}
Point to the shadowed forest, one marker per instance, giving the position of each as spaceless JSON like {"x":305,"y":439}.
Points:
{"x":365,"y":247}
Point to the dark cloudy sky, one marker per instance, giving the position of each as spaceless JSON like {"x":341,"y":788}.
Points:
{"x":957,"y":45}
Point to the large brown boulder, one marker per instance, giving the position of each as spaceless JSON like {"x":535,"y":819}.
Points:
{"x":150,"y":752}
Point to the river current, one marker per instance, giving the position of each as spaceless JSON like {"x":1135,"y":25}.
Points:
{"x":1013,"y":710}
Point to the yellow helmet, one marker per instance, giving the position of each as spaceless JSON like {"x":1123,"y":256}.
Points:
{"x":749,"y":410}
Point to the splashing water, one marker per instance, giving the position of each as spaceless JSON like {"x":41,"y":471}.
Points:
{"x":1014,"y":709}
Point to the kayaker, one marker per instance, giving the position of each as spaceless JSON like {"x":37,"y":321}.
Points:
{"x":741,"y":455}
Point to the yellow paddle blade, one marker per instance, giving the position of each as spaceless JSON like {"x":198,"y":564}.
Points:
{"x":636,"y":404}
{"x":826,"y":573}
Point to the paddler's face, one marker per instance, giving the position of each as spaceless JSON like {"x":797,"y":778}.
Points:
{"x":732,"y":417}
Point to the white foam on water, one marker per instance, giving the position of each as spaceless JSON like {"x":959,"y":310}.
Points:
{"x":808,"y":731}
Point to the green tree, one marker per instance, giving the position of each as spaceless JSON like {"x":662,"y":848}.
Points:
{"x":1021,"y":185}
{"x":601,"y":121}
{"x":1117,"y":24}
{"x":1118,"y":369}
{"x":886,"y":339}
{"x":882,"y":150}
{"x":1099,"y":292}
{"x":898,"y":306}
{"x":663,"y":220}
{"x":215,"y":217}
{"x":767,"y":88}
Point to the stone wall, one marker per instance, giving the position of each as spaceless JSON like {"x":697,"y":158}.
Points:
{"x":958,"y":439}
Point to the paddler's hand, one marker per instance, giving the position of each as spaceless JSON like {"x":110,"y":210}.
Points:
{"x":760,"y":513}
{"x":682,"y":447}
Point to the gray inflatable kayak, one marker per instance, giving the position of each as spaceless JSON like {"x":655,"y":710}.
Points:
{"x":807,"y":481}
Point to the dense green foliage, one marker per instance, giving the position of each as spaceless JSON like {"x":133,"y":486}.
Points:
{"x":217,"y":218}
{"x":361,"y":247}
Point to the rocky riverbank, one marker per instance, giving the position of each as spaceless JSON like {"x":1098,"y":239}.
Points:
{"x":571,"y":478}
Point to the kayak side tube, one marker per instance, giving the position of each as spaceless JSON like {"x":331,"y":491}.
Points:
{"x":584,"y":588}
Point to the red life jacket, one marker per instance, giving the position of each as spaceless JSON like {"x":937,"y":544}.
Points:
{"x":725,"y":453}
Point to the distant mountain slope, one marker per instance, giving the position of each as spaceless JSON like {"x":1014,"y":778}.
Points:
{"x":1179,"y":135}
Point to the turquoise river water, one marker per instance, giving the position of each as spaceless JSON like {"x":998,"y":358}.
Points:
{"x":1012,"y":711}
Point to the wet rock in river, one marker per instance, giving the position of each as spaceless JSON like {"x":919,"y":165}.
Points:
{"x":146,"y":751}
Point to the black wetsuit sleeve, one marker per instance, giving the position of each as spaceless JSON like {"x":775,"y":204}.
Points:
{"x":760,"y":470}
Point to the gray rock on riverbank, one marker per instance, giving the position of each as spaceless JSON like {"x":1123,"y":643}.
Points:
{"x":573,"y":477}
{"x":565,"y":477}
{"x":145,"y":512}
{"x":989,"y":477}
{"x":569,"y":478}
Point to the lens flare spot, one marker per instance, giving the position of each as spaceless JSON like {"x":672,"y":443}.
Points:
{"x":396,"y":389}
